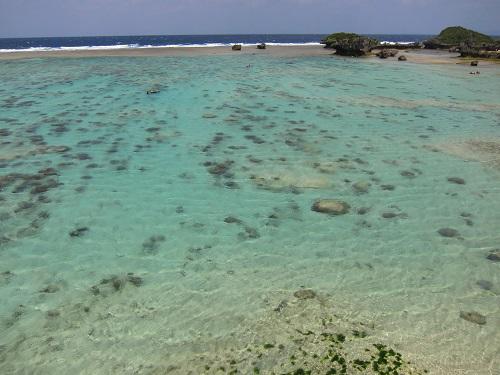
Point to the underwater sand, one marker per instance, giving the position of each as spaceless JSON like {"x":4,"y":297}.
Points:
{"x":170,"y":233}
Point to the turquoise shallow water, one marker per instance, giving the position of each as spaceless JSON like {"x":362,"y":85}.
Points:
{"x":204,"y":191}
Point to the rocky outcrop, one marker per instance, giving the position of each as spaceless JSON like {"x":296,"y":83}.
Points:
{"x":350,"y":44}
{"x":453,"y":37}
{"x":468,"y":43}
{"x":484,"y":51}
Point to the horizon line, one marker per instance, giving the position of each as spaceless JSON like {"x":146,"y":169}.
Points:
{"x":223,"y":34}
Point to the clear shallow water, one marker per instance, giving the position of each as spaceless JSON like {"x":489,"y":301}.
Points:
{"x":204,"y":191}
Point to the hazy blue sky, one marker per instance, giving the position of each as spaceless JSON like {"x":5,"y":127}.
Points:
{"x":124,"y":17}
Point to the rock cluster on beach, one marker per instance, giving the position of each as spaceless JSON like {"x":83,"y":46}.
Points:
{"x":385,"y":53}
{"x":468,"y":42}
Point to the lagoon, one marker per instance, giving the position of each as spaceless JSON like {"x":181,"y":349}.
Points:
{"x":173,"y":232}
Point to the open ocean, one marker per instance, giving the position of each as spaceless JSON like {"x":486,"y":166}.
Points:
{"x":180,"y":232}
{"x":114,"y":42}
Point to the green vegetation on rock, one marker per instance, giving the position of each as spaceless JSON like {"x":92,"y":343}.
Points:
{"x":349,"y":44}
{"x":336,"y":37}
{"x":456,"y":35}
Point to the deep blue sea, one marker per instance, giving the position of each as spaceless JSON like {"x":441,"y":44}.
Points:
{"x":144,"y":41}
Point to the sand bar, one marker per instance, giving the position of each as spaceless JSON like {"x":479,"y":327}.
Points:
{"x":414,"y":56}
{"x":285,"y":51}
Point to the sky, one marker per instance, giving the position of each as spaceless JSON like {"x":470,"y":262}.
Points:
{"x":25,"y":18}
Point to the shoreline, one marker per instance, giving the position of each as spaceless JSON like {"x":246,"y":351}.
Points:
{"x":279,"y":51}
{"x":420,"y":56}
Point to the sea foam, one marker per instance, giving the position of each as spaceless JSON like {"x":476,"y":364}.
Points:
{"x":137,"y":46}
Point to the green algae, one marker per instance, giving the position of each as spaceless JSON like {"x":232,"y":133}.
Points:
{"x":327,"y":352}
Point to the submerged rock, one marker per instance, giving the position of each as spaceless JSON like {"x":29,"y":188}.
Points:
{"x":53,"y":314}
{"x":448,"y":232}
{"x":5,"y":277}
{"x":389,"y":215}
{"x":289,"y":180}
{"x":218,"y":169}
{"x":152,"y":244}
{"x":116,"y":283}
{"x":331,"y":206}
{"x":363,"y":210}
{"x":388,"y":187}
{"x":361,"y":187}
{"x":326,"y":167}
{"x":153,"y":90}
{"x":78,"y":232}
{"x":232,"y":220}
{"x":456,"y":180}
{"x":249,"y":233}
{"x":408,"y":174}
{"x":494,"y":255}
{"x":134,"y":279}
{"x":485,"y":284}
{"x":473,"y":317}
{"x":305,"y":294}
{"x":52,"y":288}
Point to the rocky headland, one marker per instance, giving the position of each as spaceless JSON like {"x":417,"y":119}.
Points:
{"x":468,"y":43}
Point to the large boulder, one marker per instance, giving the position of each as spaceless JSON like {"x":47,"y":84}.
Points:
{"x":261,"y":46}
{"x":385,"y":53}
{"x":331,"y":206}
{"x":236,"y":47}
{"x":349,"y":44}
